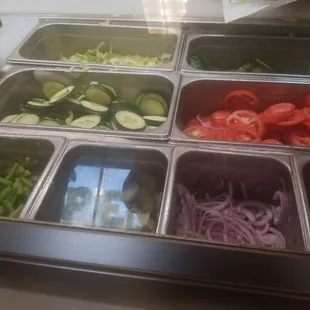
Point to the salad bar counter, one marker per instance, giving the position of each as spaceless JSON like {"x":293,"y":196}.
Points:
{"x":121,"y":155}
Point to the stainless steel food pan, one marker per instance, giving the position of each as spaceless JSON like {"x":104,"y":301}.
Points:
{"x":51,"y":40}
{"x":45,"y":149}
{"x":127,"y":158}
{"x":19,"y":85}
{"x":205,"y":94}
{"x":227,"y":53}
{"x":256,"y":176}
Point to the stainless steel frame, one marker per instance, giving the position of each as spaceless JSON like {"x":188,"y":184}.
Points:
{"x":126,"y":38}
{"x":162,"y":254}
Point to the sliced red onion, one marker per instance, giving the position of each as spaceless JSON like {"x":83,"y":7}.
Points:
{"x":279,"y":212}
{"x":224,"y":219}
{"x":207,"y":125}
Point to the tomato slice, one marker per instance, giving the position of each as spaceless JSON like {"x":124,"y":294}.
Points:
{"x":271,"y":141}
{"x":306,"y":110}
{"x":307,"y":101}
{"x":248,"y":118}
{"x":277,"y":113}
{"x":220,"y":117}
{"x":242,"y":133}
{"x":194,"y":121}
{"x":240,"y":100}
{"x":297,"y":117}
{"x":299,"y":136}
{"x":195,"y":131}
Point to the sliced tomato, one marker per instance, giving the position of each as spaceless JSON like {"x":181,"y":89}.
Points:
{"x":299,"y":136}
{"x":296,"y":118}
{"x":220,"y":117}
{"x":242,"y":133}
{"x":271,"y":141}
{"x":240,"y":100}
{"x":214,"y":134}
{"x":192,"y":122}
{"x":306,"y":110}
{"x":307,"y":101}
{"x":195,"y":131}
{"x":248,"y":118}
{"x":277,"y":113}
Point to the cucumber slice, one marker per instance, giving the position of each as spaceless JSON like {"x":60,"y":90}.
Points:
{"x":49,"y":122}
{"x":152,"y":107}
{"x":94,"y":107}
{"x":157,"y":97}
{"x":37,"y":104}
{"x":13,"y":121}
{"x":62,"y":94}
{"x":99,"y":94}
{"x":93,"y":83}
{"x":8,"y":118}
{"x":40,"y":100}
{"x":127,"y":120}
{"x":114,"y":125}
{"x":87,"y":121}
{"x":74,"y":100}
{"x":28,"y":119}
{"x":154,"y":120}
{"x":130,"y":191}
{"x":111,"y":89}
{"x":139,"y":98}
{"x":69,"y":119}
{"x":50,"y":88}
{"x":124,"y":106}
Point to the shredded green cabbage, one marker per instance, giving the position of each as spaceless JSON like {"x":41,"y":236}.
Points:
{"x":111,"y":58}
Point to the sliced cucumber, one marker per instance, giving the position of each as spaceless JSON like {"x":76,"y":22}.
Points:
{"x":124,"y":106}
{"x":152,"y":107}
{"x":40,"y":100}
{"x":8,"y":118}
{"x":69,"y":119}
{"x":157,"y":97}
{"x":139,"y":98}
{"x":99,"y":94}
{"x":114,"y":125}
{"x":111,"y":89}
{"x":127,"y":120}
{"x":94,"y":107}
{"x":28,"y":119}
{"x":50,"y":88}
{"x":154,"y":120}
{"x":49,"y":122}
{"x":87,"y":121}
{"x":74,"y":100}
{"x":130,"y":191}
{"x":13,"y":121}
{"x":93,"y":83}
{"x":62,"y":94}
{"x":37,"y":104}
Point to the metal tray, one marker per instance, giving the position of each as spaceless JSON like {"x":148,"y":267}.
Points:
{"x":24,"y":145}
{"x":271,"y":173}
{"x":213,"y":88}
{"x":227,"y":53}
{"x":148,"y":158}
{"x":50,"y":40}
{"x":18,"y":85}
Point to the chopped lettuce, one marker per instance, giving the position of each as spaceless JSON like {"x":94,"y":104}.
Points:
{"x":111,"y":58}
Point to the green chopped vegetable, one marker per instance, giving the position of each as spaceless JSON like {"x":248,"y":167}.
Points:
{"x":111,"y":58}
{"x":16,"y":183}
